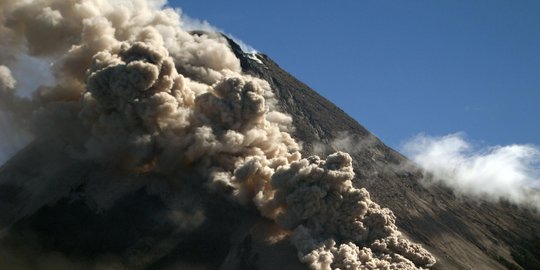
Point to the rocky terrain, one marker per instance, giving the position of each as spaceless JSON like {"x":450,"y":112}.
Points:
{"x":65,"y":213}
{"x":463,"y":234}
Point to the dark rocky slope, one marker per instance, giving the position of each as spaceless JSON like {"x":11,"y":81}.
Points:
{"x":463,"y":234}
{"x":61,"y":213}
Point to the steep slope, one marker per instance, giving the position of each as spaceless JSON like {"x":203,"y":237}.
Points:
{"x":72,"y":213}
{"x":463,"y":234}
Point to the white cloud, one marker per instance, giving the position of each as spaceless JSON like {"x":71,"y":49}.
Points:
{"x":500,"y":172}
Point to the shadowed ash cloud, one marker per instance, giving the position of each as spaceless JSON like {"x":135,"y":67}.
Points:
{"x":494,"y":173}
{"x":12,"y":138}
{"x":34,"y":73}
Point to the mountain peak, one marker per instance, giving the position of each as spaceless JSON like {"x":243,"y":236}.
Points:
{"x":433,"y":216}
{"x":159,"y":148}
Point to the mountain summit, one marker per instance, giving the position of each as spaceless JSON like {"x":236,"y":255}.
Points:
{"x":461,"y":233}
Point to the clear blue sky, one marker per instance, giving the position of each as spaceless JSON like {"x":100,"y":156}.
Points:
{"x":404,"y":67}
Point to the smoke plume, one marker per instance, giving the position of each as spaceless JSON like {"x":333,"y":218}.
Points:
{"x":496,"y":173}
{"x":134,"y":90}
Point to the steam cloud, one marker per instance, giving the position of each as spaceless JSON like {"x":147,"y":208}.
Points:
{"x":494,"y":173}
{"x":133,"y":89}
{"x":346,"y":142}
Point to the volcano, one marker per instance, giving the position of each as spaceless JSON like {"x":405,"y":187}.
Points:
{"x":159,"y":148}
{"x":55,"y":215}
{"x":462,"y":233}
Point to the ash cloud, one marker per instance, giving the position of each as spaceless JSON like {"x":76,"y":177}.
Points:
{"x":338,"y":226}
{"x":135,"y":91}
{"x":509,"y":173}
{"x":13,"y":138}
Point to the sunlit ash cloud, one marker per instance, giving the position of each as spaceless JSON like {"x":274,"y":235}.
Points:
{"x":494,"y":173}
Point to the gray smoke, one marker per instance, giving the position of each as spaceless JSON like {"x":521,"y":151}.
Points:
{"x":335,"y":225}
{"x":140,"y":93}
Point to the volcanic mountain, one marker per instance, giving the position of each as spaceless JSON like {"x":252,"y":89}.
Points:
{"x":160,"y":148}
{"x":54,"y":215}
{"x":463,"y":234}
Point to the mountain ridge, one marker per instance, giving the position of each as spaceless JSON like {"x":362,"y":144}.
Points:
{"x":477,"y":229}
{"x":77,"y":211}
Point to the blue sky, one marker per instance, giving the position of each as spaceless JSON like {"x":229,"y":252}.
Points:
{"x":404,"y":67}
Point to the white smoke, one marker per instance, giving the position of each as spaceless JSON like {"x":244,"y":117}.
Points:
{"x":346,"y":142}
{"x":494,"y":173}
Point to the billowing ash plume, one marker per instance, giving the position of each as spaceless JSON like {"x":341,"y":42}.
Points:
{"x":337,"y":226}
{"x":135,"y":90}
